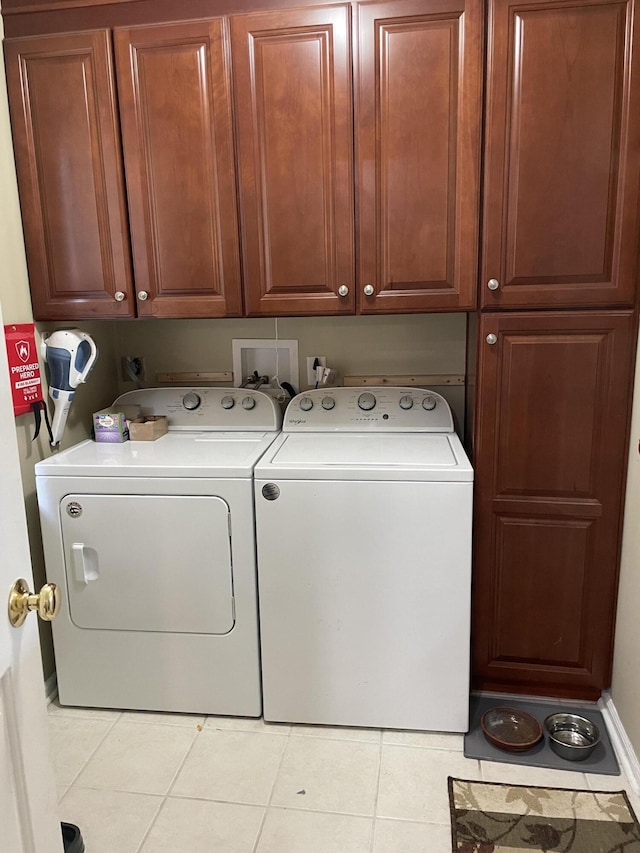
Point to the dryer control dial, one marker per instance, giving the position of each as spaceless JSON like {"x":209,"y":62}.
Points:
{"x":406,"y":402}
{"x":191,"y":401}
{"x":306,"y":404}
{"x":328,"y":403}
{"x":429,"y":403}
{"x":248,"y":403}
{"x":227,"y":402}
{"x":366,"y":401}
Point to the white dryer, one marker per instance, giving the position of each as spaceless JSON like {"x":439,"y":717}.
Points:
{"x":363,"y":517}
{"x":153,"y":547}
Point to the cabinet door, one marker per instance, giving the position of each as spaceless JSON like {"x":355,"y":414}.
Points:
{"x":419,"y":84}
{"x":175,"y":110}
{"x":62,"y":100}
{"x":562,"y":171}
{"x":551,"y":437}
{"x":292,"y":83}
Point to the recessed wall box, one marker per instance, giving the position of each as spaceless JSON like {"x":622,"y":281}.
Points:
{"x":265,"y":357}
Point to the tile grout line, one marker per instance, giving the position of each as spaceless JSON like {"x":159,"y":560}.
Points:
{"x":377,"y":794}
{"x":152,"y":822}
{"x":168,"y":791}
{"x":270,"y":798}
{"x":97,"y":747}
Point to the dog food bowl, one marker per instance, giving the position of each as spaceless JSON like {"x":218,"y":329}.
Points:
{"x":571,"y":737}
{"x":511,"y":729}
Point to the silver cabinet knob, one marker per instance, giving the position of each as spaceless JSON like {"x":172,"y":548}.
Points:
{"x":143,"y":295}
{"x":491,"y":339}
{"x":119,"y":296}
{"x":368,"y":290}
{"x":343,"y":290}
{"x":493,"y":284}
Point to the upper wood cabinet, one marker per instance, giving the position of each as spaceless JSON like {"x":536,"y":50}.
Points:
{"x":419,"y":97}
{"x":550,"y":456}
{"x":415,"y":157}
{"x":292,"y":80}
{"x":67,"y":145}
{"x":560,"y":224}
{"x":175,"y":110}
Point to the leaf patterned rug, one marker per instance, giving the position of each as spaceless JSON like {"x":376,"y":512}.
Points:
{"x":489,"y":817}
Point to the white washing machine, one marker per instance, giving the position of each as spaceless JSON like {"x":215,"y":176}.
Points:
{"x":363,"y":518}
{"x":153,"y":546}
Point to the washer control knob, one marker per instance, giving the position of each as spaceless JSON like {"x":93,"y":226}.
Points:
{"x":366,"y":401}
{"x":429,"y":403}
{"x":227,"y":402}
{"x":249,"y":403}
{"x":306,"y":404}
{"x":406,"y":402}
{"x":191,"y":401}
{"x":328,"y":403}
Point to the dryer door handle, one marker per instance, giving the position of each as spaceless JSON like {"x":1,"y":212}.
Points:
{"x":84,"y":563}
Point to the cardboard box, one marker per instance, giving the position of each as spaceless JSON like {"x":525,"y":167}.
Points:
{"x":148,"y":428}
{"x":110,"y":427}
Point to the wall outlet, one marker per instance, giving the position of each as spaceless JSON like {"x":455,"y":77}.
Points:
{"x":311,"y":374}
{"x":133,"y":366}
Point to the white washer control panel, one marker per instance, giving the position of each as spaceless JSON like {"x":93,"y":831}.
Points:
{"x":207,"y":408}
{"x":369,"y":409}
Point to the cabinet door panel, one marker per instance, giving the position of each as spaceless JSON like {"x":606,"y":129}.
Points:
{"x":563,"y":126}
{"x":552,"y":420}
{"x":294,"y":118}
{"x":419,"y":86}
{"x":68,"y":160}
{"x":176,"y":122}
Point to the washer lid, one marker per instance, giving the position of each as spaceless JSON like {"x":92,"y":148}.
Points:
{"x":365,"y":456}
{"x":176,"y":454}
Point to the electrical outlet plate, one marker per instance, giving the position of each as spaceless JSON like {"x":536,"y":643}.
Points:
{"x":261,"y":355}
{"x":311,"y":374}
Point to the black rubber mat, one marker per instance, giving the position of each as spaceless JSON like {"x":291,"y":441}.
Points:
{"x":602,"y":760}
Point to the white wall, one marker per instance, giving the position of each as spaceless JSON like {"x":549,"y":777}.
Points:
{"x":625,"y":688}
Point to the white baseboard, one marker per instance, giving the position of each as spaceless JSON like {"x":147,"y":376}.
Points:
{"x":51,"y":688}
{"x":621,"y":743}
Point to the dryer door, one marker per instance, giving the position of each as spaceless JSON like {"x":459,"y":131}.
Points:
{"x":148,"y":562}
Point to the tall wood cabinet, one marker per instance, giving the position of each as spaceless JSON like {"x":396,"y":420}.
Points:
{"x":551,"y":436}
{"x":292,"y":78}
{"x":175,"y":112}
{"x":560,"y":214}
{"x":560,"y":231}
{"x":418,"y":108}
{"x":67,"y":146}
{"x":407,"y":147}
{"x":417,"y":77}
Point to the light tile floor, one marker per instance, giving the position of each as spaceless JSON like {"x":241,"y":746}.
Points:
{"x":172,"y":783}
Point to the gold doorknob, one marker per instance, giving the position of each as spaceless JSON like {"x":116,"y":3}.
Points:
{"x":21,"y":602}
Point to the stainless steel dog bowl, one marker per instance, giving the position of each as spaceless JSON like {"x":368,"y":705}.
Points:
{"x":570,"y":736}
